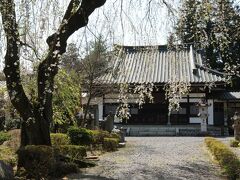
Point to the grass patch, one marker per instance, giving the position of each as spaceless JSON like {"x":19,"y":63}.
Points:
{"x":4,"y":137}
{"x":8,"y":155}
{"x":228,"y":161}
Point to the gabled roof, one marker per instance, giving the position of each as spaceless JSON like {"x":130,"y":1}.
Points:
{"x":156,"y":64}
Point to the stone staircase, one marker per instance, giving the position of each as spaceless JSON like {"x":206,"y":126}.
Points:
{"x":157,"y":130}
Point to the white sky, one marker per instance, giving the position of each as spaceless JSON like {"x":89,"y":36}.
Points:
{"x":136,"y":23}
{"x":125,"y":22}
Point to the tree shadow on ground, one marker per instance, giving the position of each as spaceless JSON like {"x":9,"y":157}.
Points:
{"x":200,"y":170}
{"x":88,"y":177}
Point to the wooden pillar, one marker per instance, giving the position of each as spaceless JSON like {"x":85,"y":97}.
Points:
{"x":188,"y":108}
{"x":225,"y":113}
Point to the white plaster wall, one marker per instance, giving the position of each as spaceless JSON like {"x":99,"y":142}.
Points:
{"x":100,"y":110}
{"x":210,"y":112}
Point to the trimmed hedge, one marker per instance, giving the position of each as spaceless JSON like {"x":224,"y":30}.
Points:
{"x":99,"y":135}
{"x":110,"y":144}
{"x":38,"y":161}
{"x":115,"y":135}
{"x":80,"y":136}
{"x":226,"y":158}
{"x":72,"y":151}
{"x":234,"y":143}
{"x":58,"y":139}
{"x":4,"y":137}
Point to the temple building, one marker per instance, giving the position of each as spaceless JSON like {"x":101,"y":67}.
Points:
{"x":156,"y":65}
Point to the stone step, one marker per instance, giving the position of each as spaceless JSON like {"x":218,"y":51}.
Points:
{"x":171,"y":132}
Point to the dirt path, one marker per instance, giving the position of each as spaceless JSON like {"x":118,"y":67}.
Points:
{"x":152,"y":158}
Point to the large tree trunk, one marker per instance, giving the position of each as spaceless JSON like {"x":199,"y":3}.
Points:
{"x":37,"y":116}
{"x":37,"y":133}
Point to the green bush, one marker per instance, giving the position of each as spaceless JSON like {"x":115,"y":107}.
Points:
{"x":234,"y":143}
{"x":80,"y":136}
{"x":4,"y":137}
{"x":115,"y":135}
{"x":58,"y":139}
{"x":99,"y":135}
{"x":110,"y":144}
{"x":38,"y":161}
{"x":226,"y":158}
{"x":72,"y":151}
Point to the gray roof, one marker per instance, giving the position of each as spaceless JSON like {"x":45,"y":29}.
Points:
{"x":227,"y":96}
{"x":158,"y":65}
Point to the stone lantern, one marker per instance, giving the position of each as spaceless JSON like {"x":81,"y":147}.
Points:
{"x":236,"y":125}
{"x":203,"y":114}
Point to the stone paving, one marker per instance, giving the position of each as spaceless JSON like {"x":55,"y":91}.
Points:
{"x":153,"y":158}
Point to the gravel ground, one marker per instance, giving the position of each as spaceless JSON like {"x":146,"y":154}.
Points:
{"x":151,"y":158}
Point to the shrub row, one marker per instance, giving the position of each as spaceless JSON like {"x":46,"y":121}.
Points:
{"x":84,"y":137}
{"x":71,"y":151}
{"x":81,"y":136}
{"x":226,"y":158}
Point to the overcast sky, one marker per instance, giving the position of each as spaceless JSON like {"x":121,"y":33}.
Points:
{"x":133,"y":22}
{"x":125,"y":22}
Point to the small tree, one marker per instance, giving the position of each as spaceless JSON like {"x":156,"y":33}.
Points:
{"x":92,"y":67}
{"x":66,"y":98}
{"x":70,"y":61}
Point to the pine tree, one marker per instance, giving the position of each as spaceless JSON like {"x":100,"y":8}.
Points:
{"x":214,"y":26}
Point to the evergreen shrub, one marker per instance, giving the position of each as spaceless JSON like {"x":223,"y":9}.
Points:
{"x":71,"y":151}
{"x":110,"y":144}
{"x":225,"y":157}
{"x":58,"y":139}
{"x":38,"y":161}
{"x":80,"y":136}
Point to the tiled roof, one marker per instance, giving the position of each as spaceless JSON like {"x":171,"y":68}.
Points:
{"x":158,"y":65}
{"x":227,"y":96}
